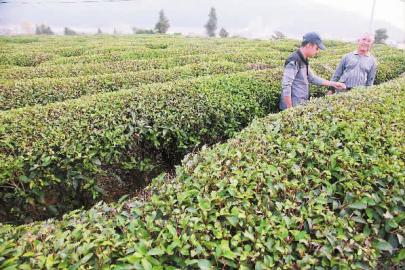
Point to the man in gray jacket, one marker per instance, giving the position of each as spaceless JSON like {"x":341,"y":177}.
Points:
{"x":297,"y":74}
{"x":357,"y":68}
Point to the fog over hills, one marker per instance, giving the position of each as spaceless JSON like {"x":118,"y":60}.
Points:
{"x":253,"y":19}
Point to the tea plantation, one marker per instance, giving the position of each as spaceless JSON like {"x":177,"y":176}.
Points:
{"x":90,"y":118}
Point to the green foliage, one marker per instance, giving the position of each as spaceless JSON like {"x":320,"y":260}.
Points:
{"x":129,"y":65}
{"x":319,"y":186}
{"x":389,"y":67}
{"x":316,"y":187}
{"x":44,"y":83}
{"x":25,"y":59}
{"x":63,"y":148}
{"x":16,"y":94}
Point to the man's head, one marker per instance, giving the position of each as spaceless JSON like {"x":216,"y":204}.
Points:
{"x":365,"y":42}
{"x":311,"y":43}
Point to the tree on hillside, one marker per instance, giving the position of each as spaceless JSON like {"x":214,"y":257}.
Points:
{"x":380,"y":35}
{"x":43,"y":30}
{"x":163,"y":24}
{"x":223,"y":33}
{"x":278,"y":35}
{"x":99,"y":32}
{"x":69,"y":32}
{"x":211,"y":25}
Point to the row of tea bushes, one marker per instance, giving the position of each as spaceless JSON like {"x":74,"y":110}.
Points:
{"x":32,"y":59}
{"x":116,"y":54}
{"x":94,"y":45}
{"x":41,"y":58}
{"x":389,"y":67}
{"x":320,"y":186}
{"x":20,"y":93}
{"x":74,"y":70}
{"x":93,"y":50}
{"x":53,"y":155}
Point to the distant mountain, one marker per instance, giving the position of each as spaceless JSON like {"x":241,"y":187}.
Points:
{"x":253,"y":18}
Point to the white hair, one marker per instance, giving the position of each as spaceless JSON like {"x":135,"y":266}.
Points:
{"x":368,"y":35}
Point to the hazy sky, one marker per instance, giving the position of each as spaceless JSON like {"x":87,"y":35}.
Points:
{"x":341,"y":19}
{"x":392,"y":11}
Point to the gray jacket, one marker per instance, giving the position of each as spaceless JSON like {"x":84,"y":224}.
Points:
{"x":296,"y":78}
{"x":356,"y":70}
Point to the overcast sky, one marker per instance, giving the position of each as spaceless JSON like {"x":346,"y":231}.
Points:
{"x":339,"y":19}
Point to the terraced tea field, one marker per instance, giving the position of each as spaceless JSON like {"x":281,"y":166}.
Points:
{"x":90,"y":118}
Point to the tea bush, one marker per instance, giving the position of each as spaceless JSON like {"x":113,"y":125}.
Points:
{"x":319,"y":186}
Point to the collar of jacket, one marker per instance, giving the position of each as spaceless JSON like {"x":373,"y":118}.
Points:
{"x":302,"y":57}
{"x":367,"y":54}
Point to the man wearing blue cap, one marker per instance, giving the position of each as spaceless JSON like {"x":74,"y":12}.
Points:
{"x":297,"y":74}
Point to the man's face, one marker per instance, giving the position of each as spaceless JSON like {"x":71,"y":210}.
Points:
{"x":313,"y":50}
{"x":365,"y":43}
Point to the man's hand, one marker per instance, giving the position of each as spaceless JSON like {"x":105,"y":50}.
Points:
{"x":338,"y":85}
{"x":288,"y":101}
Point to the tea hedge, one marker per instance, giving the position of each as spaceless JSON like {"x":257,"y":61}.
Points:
{"x":389,"y":67}
{"x":53,"y":155}
{"x":41,"y":58}
{"x":74,"y":70}
{"x":316,"y":187}
{"x":20,"y":93}
{"x":263,"y":55}
{"x":65,"y":47}
{"x":92,"y":49}
{"x":144,"y":54}
{"x":127,"y":53}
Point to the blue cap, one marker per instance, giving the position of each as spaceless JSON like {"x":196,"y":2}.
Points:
{"x":314,"y":38}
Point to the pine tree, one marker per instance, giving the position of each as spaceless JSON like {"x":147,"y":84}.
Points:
{"x":211,"y":25}
{"x":163,"y":24}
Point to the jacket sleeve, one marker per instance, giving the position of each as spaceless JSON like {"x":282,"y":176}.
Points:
{"x":290,"y":72}
{"x":339,"y":70}
{"x":312,"y":78}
